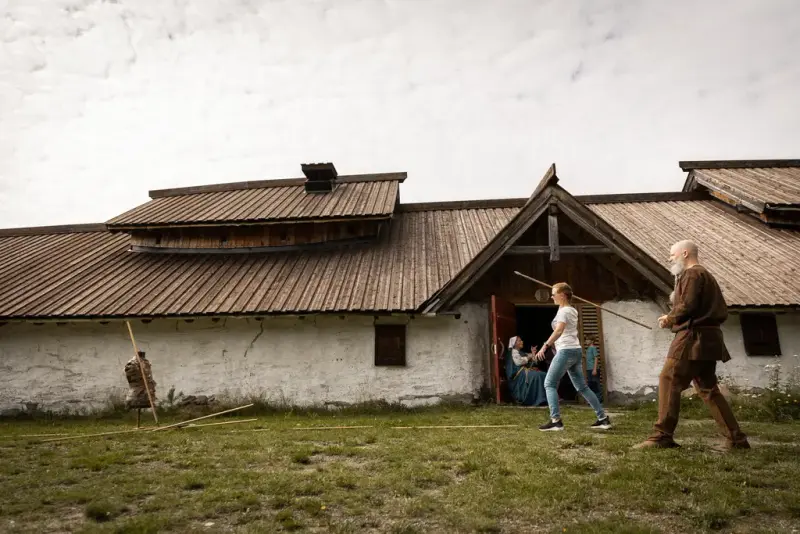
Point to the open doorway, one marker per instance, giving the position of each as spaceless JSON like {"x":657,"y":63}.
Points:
{"x":534,"y":326}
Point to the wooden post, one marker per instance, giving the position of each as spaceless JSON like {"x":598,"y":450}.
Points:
{"x":144,"y":377}
{"x":552,"y":227}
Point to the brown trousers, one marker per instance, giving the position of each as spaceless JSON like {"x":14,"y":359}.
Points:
{"x":674,"y":378}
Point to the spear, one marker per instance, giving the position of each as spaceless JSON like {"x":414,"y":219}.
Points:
{"x":585,"y":301}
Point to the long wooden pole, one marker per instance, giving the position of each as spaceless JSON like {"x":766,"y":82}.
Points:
{"x":184,"y":423}
{"x":238,"y":421}
{"x":453,"y":426}
{"x":81,"y":436}
{"x":586,"y":301}
{"x":141,"y":368}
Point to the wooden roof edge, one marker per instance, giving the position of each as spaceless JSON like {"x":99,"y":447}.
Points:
{"x":49,"y":230}
{"x":129,"y":227}
{"x":738,"y":164}
{"x":486,"y":257}
{"x":630,"y":198}
{"x":453,"y":290}
{"x":281,"y":182}
{"x":493,"y":203}
{"x":211,"y":315}
{"x":612,"y":198}
{"x":550,"y":178}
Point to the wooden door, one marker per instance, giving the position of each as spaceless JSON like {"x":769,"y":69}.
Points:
{"x":591,"y":325}
{"x":504,"y":325}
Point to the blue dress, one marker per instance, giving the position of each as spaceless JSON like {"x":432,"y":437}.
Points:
{"x":527,"y":385}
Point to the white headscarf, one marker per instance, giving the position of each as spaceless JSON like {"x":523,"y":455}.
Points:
{"x":512,"y":342}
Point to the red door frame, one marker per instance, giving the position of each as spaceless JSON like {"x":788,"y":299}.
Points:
{"x":503,"y":320}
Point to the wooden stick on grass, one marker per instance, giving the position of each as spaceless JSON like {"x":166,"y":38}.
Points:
{"x":184,"y":423}
{"x":454,"y":426}
{"x":80,"y":436}
{"x":222,"y":423}
{"x":144,"y":377}
{"x":320,"y":428}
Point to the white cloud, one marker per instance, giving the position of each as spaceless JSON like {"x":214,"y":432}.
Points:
{"x":101,"y":101}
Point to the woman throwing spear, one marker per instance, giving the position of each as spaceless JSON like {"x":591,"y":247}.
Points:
{"x":568,"y":359}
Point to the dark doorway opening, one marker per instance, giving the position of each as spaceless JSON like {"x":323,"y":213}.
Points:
{"x":534,"y":326}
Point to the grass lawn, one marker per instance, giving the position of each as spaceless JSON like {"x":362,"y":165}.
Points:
{"x":381,"y":479}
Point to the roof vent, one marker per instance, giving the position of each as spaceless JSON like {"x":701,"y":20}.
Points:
{"x":320,"y":177}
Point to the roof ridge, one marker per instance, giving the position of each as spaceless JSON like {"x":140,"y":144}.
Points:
{"x":57,"y":229}
{"x":620,"y":198}
{"x":264,"y":184}
{"x":738,"y":164}
{"x":446,"y":205}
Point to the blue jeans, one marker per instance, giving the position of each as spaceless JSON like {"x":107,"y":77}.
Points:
{"x":569,"y":361}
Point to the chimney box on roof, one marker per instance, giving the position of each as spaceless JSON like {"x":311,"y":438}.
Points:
{"x":320,"y":177}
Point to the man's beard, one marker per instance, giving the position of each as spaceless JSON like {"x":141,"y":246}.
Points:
{"x":678,"y":267}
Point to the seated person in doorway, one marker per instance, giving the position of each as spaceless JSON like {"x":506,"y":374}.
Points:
{"x":592,"y":362}
{"x":524,"y":380}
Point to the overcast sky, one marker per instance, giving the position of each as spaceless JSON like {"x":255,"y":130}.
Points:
{"x":101,"y":101}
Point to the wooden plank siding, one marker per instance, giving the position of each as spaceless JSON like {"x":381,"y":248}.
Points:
{"x":255,"y":236}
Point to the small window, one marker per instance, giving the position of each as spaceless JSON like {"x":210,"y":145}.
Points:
{"x":390,"y":345}
{"x":760,"y":333}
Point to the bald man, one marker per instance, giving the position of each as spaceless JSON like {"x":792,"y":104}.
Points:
{"x":698,"y":310}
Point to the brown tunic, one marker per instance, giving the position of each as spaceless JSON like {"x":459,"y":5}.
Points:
{"x":697,"y":313}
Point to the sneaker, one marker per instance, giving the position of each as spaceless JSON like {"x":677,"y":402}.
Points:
{"x":603,"y":424}
{"x":552,"y":426}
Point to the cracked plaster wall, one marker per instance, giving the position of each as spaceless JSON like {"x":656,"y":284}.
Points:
{"x":323,"y":359}
{"x":302,"y":362}
{"x":635,"y":356}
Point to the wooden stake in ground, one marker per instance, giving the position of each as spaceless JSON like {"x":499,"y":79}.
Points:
{"x":184,"y":423}
{"x":141,"y":368}
{"x":585,"y":301}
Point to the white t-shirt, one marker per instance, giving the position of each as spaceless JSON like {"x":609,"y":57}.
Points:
{"x":568,"y":338}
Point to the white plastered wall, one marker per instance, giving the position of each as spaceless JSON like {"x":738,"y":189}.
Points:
{"x":635,"y":355}
{"x":311,"y":361}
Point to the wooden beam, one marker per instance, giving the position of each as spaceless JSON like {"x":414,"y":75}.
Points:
{"x":48,"y":230}
{"x":567,"y":249}
{"x":261,"y":184}
{"x":738,"y":164}
{"x":463,"y":205}
{"x":605,"y":233}
{"x":625,"y":198}
{"x":715,"y":185}
{"x":123,"y":227}
{"x":552,"y":237}
{"x":663,"y":303}
{"x":609,"y":264}
{"x":318,"y":246}
{"x":549,"y":178}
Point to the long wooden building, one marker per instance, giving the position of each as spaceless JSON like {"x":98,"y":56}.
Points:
{"x":328,"y":290}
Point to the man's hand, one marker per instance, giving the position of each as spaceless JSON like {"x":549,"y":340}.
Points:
{"x":594,"y":372}
{"x":662,"y":321}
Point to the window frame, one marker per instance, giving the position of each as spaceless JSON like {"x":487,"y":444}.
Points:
{"x":763,"y":325}
{"x":383,"y":334}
